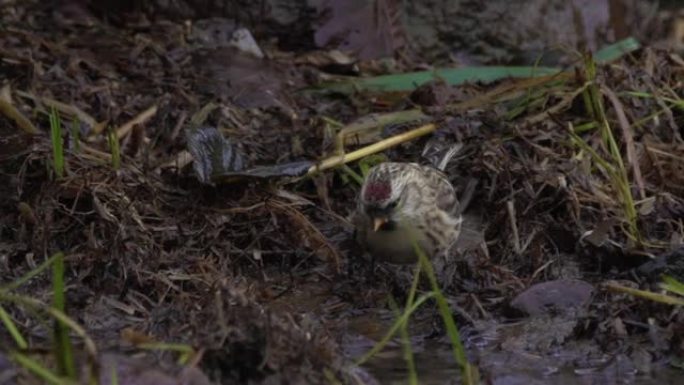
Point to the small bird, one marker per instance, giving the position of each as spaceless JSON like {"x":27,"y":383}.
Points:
{"x":401,"y":204}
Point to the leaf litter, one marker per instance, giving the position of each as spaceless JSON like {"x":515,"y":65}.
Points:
{"x":258,"y":277}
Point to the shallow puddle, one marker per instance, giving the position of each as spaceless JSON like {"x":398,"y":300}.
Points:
{"x":499,"y":353}
{"x":436,"y":366}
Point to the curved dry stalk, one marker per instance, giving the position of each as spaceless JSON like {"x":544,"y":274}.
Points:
{"x":382,"y":145}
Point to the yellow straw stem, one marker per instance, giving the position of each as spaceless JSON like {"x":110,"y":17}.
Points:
{"x":382,"y":145}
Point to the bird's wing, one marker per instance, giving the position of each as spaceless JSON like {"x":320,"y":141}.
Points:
{"x":445,"y":195}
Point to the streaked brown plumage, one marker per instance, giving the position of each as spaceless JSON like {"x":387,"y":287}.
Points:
{"x":402,"y":202}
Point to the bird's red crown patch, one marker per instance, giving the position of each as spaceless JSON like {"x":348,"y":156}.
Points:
{"x":377,"y":191}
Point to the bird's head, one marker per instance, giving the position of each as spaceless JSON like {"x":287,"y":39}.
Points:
{"x":380,"y":199}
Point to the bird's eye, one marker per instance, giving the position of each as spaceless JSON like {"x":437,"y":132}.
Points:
{"x":392,"y":205}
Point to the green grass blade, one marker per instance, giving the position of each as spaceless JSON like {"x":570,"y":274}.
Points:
{"x":408,"y":355}
{"x":57,"y":143}
{"x":406,"y":344}
{"x":63,"y":347}
{"x":679,"y":103}
{"x":39,"y":370}
{"x":115,"y":375}
{"x":408,"y":352}
{"x":395,"y":328}
{"x":12,"y":329}
{"x":167,"y":346}
{"x":114,"y":148}
{"x":350,"y":173}
{"x":28,"y":276}
{"x":332,"y":379}
{"x":649,"y":295}
{"x":444,"y":310}
{"x":75,"y":327}
{"x":672,"y":285}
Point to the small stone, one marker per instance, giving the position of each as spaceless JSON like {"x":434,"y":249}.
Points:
{"x":553,"y":297}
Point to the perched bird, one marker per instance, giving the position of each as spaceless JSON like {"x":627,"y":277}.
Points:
{"x":405,"y":203}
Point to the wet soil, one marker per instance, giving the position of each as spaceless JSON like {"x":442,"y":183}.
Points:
{"x":258,"y":274}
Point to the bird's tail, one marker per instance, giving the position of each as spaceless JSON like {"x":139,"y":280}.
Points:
{"x":439,"y":154}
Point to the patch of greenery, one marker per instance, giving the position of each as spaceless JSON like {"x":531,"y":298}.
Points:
{"x":612,"y":163}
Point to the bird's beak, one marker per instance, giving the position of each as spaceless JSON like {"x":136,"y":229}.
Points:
{"x":378,"y":222}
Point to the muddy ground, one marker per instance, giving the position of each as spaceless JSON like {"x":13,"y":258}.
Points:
{"x":258,"y":275}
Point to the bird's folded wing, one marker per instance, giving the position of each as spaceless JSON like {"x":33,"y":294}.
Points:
{"x":444,"y":192}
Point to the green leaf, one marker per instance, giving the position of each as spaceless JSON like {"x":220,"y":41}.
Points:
{"x":616,"y":50}
{"x":455,"y":76}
